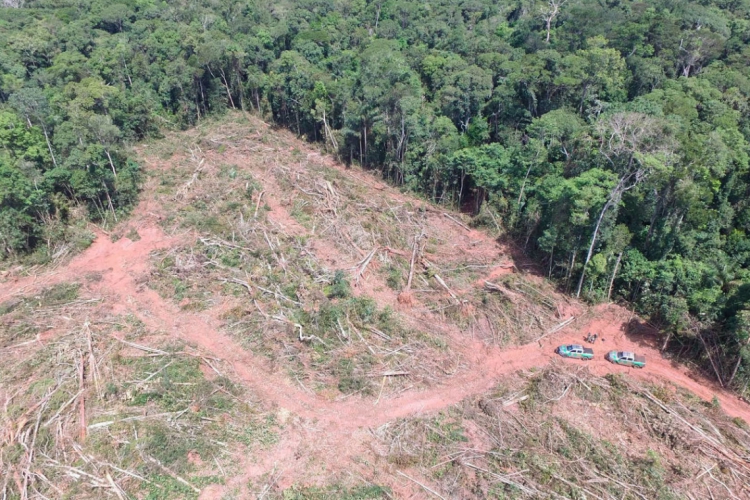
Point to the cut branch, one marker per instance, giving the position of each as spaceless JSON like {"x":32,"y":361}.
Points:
{"x":362,"y":265}
{"x":257,"y":205}
{"x":457,"y":222}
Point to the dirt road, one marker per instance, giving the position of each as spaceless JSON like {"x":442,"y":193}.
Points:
{"x":337,"y":428}
{"x":121,"y":263}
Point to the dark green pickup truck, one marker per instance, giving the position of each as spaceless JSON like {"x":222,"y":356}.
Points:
{"x":575,"y":351}
{"x":627,"y":358}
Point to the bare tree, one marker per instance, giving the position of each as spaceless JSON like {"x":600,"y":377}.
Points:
{"x":633,"y":144}
{"x":550,"y":12}
{"x":743,"y":325}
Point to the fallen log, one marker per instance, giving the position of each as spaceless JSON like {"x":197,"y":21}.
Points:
{"x":457,"y":222}
{"x":389,"y":374}
{"x":557,"y":328}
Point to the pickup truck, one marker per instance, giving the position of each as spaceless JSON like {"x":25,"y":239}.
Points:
{"x":627,"y":359}
{"x":575,"y":351}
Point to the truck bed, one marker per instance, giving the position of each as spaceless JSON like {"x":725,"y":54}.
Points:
{"x":586,"y":350}
{"x":640,"y":359}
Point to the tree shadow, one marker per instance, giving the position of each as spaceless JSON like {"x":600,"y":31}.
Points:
{"x":525,"y":262}
{"x":648,"y":336}
{"x":642,"y":333}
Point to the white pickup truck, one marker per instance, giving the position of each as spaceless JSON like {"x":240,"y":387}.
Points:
{"x":627,"y":358}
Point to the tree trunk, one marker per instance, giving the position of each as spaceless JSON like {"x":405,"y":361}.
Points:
{"x":329,"y":134}
{"x":203,"y":97}
{"x":111,"y":164}
{"x":570,"y":267}
{"x":111,"y":207}
{"x":614,"y":198}
{"x":461,"y":189}
{"x":711,"y":359}
{"x":523,"y":184}
{"x":737,"y":365}
{"x":226,"y":86}
{"x":614,"y":274}
{"x":592,"y":244}
{"x":127,"y":71}
{"x":239,"y":85}
{"x":551,"y":261}
{"x":361,"y":155}
{"x":49,"y":146}
{"x":666,"y":341}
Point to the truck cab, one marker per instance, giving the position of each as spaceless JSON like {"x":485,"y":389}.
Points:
{"x":575,"y":351}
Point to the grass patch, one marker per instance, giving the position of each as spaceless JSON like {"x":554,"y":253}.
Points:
{"x":58,"y":294}
{"x":21,"y":318}
{"x":336,"y":492}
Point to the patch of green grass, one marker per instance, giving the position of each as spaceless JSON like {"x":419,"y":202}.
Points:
{"x":336,"y":492}
{"x":302,"y":212}
{"x":199,"y":216}
{"x":261,"y":432}
{"x":61,"y":293}
{"x":446,"y":429}
{"x":339,"y":287}
{"x":173,"y":282}
{"x":82,"y":239}
{"x":662,"y":393}
{"x":192,"y":415}
{"x":163,"y":487}
{"x":170,"y":446}
{"x":22,"y":313}
{"x":174,"y":383}
{"x":394,"y":278}
{"x":352,"y":374}
{"x":9,"y":305}
{"x":133,"y":235}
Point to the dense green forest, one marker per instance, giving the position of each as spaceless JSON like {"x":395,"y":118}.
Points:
{"x":611,"y":137}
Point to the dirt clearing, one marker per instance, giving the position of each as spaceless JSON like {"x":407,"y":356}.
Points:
{"x":308,"y":330}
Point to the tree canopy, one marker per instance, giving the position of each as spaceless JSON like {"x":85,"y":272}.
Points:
{"x":610,"y":137}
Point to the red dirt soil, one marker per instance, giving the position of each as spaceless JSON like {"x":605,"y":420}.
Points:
{"x":336,"y":431}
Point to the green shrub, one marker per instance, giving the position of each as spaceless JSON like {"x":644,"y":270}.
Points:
{"x":339,"y":287}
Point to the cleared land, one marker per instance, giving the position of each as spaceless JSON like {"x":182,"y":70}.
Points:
{"x":271,"y":324}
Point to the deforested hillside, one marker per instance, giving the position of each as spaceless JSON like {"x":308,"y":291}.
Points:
{"x":270,"y":323}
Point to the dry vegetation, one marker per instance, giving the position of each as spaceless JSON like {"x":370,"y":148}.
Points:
{"x":335,"y":279}
{"x":353,"y":294}
{"x":564,"y":433}
{"x":94,"y":405}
